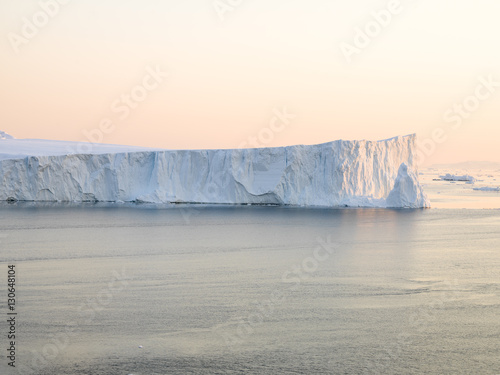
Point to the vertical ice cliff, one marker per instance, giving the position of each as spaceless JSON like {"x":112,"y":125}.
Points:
{"x":339,"y":173}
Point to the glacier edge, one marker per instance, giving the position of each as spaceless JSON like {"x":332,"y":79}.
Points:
{"x":339,"y":173}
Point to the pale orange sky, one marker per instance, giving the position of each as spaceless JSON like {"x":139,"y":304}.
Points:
{"x":230,"y":70}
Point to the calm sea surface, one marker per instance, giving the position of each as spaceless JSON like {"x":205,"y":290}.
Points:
{"x":140,"y":289}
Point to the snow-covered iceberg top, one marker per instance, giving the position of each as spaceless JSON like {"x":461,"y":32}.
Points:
{"x":339,"y":173}
{"x":12,"y":148}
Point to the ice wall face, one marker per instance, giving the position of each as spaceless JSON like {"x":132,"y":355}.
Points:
{"x":407,"y":192}
{"x":339,"y":173}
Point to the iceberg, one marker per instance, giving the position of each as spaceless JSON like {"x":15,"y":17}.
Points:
{"x":406,"y":190}
{"x":4,"y":135}
{"x":487,"y":188}
{"x":452,"y":177}
{"x":339,"y":173}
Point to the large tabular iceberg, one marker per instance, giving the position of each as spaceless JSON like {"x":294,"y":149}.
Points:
{"x":339,"y":173}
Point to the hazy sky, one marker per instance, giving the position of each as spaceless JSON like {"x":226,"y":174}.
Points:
{"x":254,"y":72}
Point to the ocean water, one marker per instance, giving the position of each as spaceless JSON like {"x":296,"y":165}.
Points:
{"x":459,"y":194}
{"x":145,"y":289}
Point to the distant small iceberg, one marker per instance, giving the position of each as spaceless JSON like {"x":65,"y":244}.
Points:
{"x":487,"y":188}
{"x":451,"y":177}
